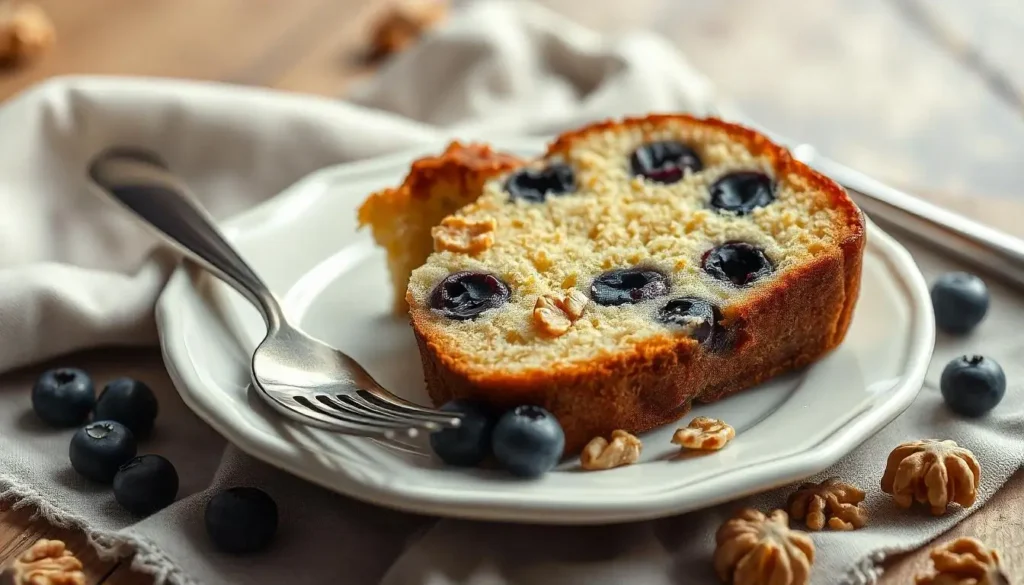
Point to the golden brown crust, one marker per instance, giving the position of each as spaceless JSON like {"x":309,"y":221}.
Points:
{"x":656,"y":382}
{"x":402,"y":217}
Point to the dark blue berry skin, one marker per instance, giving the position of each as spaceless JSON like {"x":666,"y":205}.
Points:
{"x":98,"y":449}
{"x":130,"y":403}
{"x":737,"y":262}
{"x":697,"y":316}
{"x":528,"y":441}
{"x":468,"y":444}
{"x":742,"y":192}
{"x":241,"y":520}
{"x":960,"y":300}
{"x":534,"y":185}
{"x":627,"y":286}
{"x":465,"y":295}
{"x":666,"y":161}
{"x":972,"y":385}
{"x":146,"y":484}
{"x":63,"y":397}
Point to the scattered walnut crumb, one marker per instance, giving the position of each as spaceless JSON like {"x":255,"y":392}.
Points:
{"x":623,"y":449}
{"x":47,"y":562}
{"x":403,"y":24}
{"x":754,"y":549}
{"x":936,"y":473}
{"x":832,"y":499}
{"x":464,"y":236}
{"x":25,"y":31}
{"x":553,"y":315}
{"x":964,"y":561}
{"x":704,"y":434}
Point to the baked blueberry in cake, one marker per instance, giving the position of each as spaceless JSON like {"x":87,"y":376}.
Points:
{"x":635,"y":268}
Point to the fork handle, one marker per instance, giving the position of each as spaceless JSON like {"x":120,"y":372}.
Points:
{"x":139,"y":180}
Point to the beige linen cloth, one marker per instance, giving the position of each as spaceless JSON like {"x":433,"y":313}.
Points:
{"x":77,"y":273}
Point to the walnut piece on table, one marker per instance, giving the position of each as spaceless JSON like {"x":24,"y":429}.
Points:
{"x":553,"y":315}
{"x":47,"y":562}
{"x":704,"y":434}
{"x":623,"y":449}
{"x":754,"y":549}
{"x":25,"y":31}
{"x":831,"y":503}
{"x":403,"y":24}
{"x":964,"y":561}
{"x":936,"y":473}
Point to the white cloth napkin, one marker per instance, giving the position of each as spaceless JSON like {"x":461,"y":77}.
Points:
{"x":77,"y":273}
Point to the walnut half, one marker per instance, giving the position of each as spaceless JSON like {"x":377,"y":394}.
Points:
{"x":832,"y":499}
{"x":553,"y":315}
{"x":47,"y":562}
{"x":704,"y":434}
{"x":964,"y":561}
{"x":25,"y":31}
{"x":932,"y":472}
{"x":464,"y":236}
{"x":600,"y":453}
{"x":754,"y":549}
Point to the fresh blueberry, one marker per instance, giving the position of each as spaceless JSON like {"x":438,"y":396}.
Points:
{"x":241,"y":520}
{"x":129,"y":402}
{"x":737,"y":262}
{"x":528,"y":441}
{"x":469,"y":443}
{"x":464,"y":295}
{"x":666,"y":161}
{"x":98,"y":449}
{"x":534,"y":185}
{"x":960,"y":301}
{"x":63,"y":397}
{"x":742,"y":192}
{"x":628,"y":285}
{"x":697,"y":317}
{"x":972,"y":385}
{"x":146,"y":484}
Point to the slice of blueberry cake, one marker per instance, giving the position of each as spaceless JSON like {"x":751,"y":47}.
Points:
{"x":635,"y":268}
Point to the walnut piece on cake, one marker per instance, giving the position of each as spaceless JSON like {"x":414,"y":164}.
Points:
{"x":47,"y":562}
{"x":553,"y":315}
{"x":932,"y":472}
{"x":831,"y":502}
{"x":25,"y":31}
{"x":704,"y":434}
{"x":964,"y":561}
{"x":754,"y":549}
{"x":623,"y":449}
{"x":402,"y":218}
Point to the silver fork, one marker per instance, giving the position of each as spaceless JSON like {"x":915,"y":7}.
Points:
{"x":299,"y":376}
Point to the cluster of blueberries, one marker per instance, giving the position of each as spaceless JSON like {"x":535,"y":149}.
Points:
{"x":527,"y":441}
{"x":971,"y":385}
{"x":238,"y":520}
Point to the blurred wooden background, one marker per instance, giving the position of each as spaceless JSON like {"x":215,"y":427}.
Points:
{"x":925,"y":94}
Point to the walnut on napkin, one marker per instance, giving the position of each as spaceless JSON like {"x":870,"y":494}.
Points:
{"x":936,"y":473}
{"x":25,"y":31}
{"x":47,"y":562}
{"x":403,"y":24}
{"x":830,"y":502}
{"x":964,"y":561}
{"x":754,"y":549}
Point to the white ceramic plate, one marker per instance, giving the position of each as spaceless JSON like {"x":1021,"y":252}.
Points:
{"x":334,"y":283}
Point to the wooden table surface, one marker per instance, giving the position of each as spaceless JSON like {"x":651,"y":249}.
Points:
{"x":924,"y":94}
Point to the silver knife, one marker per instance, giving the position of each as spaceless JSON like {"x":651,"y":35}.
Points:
{"x":972,"y":242}
{"x":976,"y":244}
